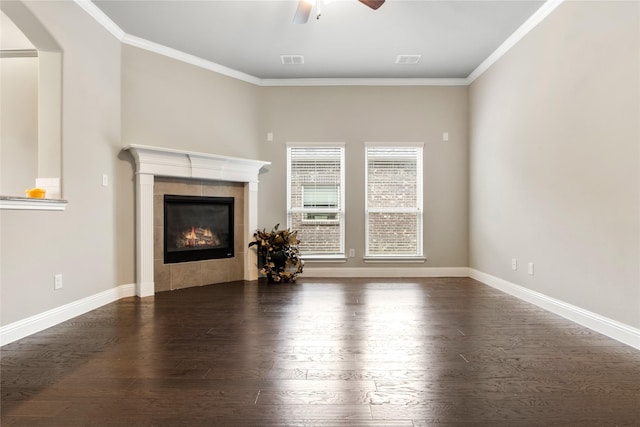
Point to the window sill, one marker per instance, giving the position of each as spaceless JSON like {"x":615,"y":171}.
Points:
{"x":407,"y":259}
{"x":324,"y":258}
{"x":28,"y":204}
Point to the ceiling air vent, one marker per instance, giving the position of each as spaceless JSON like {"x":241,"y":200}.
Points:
{"x":292,"y":59}
{"x":408,"y":59}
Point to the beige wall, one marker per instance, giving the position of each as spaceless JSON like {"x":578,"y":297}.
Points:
{"x":355,"y":115}
{"x":167,"y":103}
{"x":90,"y":243}
{"x":18,"y":124}
{"x":555,"y":160}
{"x":42,"y":113}
{"x":171,"y":104}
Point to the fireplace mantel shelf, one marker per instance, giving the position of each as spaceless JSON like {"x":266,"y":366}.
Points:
{"x":155,"y":161}
{"x":187,"y":164}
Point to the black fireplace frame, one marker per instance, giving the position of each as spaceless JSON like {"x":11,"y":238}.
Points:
{"x":197,"y":254}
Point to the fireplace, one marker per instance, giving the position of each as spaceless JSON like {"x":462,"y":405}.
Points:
{"x":197,"y":228}
{"x":157,"y":162}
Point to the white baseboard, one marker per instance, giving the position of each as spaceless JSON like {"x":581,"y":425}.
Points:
{"x":613,"y":329}
{"x":23,"y":328}
{"x":385,"y":272}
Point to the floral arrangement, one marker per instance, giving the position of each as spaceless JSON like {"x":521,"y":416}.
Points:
{"x":278,"y":254}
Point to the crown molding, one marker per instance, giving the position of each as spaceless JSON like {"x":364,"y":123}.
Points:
{"x":366,"y":82}
{"x":95,"y":12}
{"x":533,"y":21}
{"x":189,"y":59}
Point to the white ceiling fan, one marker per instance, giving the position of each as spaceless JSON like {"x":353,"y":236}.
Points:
{"x":304,"y":9}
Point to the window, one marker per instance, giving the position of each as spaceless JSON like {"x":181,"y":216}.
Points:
{"x":393,"y":200}
{"x":320,"y":196}
{"x":315,"y":198}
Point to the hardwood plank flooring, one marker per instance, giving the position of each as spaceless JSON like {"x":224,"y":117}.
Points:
{"x":330,"y":352}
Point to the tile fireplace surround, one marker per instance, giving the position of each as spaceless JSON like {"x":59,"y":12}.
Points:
{"x":168,"y":277}
{"x":152,"y":162}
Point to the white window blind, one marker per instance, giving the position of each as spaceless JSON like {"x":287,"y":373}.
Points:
{"x":393,"y":201}
{"x":315,"y":198}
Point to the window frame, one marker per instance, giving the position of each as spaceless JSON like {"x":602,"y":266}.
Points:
{"x":339,"y":210}
{"x":418,"y":209}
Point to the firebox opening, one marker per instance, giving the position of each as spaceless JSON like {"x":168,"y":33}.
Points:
{"x":197,"y":228}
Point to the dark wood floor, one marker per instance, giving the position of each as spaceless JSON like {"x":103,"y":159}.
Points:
{"x":332,"y":352}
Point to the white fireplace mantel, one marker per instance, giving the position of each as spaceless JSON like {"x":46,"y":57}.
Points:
{"x":187,"y":164}
{"x":156,"y":161}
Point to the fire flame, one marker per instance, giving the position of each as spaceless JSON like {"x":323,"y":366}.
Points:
{"x":197,"y":237}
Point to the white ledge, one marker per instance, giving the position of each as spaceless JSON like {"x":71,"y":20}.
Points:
{"x":187,"y":164}
{"x":28,"y":204}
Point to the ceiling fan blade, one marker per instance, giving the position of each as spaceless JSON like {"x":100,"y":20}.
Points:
{"x":373,"y":4}
{"x":302,"y":12}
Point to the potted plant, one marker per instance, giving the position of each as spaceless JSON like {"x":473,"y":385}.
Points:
{"x":278,"y":254}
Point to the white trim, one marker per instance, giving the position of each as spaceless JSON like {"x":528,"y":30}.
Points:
{"x":394,"y":144}
{"x":145,"y":285}
{"x":385,"y":272}
{"x":613,"y":329}
{"x":533,"y":21}
{"x":315,"y":144}
{"x":189,"y":59}
{"x":364,"y":82}
{"x":27,"y":204}
{"x":23,"y":328}
{"x":96,"y":13}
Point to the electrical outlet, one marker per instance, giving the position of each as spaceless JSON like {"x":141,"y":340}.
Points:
{"x":530,"y":269}
{"x":514,"y":264}
{"x":352,"y":253}
{"x":57,"y":281}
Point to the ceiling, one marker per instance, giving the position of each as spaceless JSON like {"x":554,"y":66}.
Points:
{"x":349,"y":40}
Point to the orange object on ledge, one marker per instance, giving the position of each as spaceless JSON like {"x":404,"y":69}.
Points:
{"x":35,"y":193}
